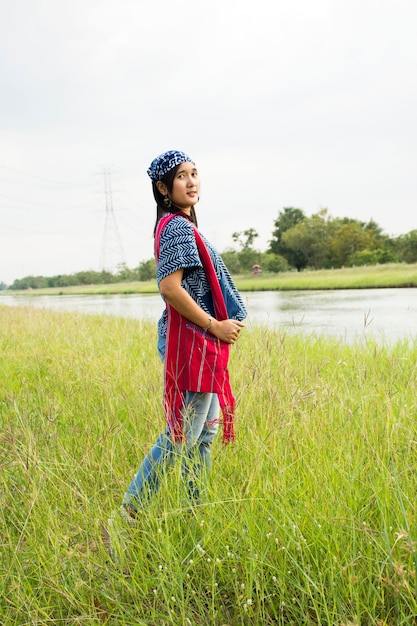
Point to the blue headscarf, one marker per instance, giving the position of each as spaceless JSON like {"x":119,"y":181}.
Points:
{"x":165,"y":162}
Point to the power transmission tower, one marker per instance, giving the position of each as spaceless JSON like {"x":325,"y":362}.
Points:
{"x":112,"y":253}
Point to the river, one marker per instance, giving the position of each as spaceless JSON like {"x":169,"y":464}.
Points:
{"x":387,"y":315}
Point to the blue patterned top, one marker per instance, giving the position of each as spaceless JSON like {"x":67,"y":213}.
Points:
{"x":178,"y":250}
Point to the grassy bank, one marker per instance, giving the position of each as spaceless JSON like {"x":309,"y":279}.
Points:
{"x":378,"y":276}
{"x":312,"y":512}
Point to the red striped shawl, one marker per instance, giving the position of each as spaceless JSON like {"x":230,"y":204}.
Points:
{"x":195,"y":360}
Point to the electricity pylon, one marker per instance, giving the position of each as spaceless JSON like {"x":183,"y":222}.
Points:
{"x":112,"y":253}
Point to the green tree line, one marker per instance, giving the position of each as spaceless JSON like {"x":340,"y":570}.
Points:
{"x":320,"y":242}
{"x":297,"y":243}
{"x":145,"y":271}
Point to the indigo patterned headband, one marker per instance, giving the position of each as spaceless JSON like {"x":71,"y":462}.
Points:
{"x":165,"y":162}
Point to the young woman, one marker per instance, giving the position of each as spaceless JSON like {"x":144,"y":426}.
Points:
{"x":202,"y":318}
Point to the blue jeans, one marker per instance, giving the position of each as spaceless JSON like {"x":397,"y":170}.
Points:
{"x":200,"y":420}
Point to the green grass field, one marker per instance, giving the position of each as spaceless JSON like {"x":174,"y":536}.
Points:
{"x":390,"y":275}
{"x":311,"y":516}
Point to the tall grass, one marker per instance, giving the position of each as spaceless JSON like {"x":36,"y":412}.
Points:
{"x":311,"y":515}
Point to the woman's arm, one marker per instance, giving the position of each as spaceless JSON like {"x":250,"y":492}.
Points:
{"x":174,"y":293}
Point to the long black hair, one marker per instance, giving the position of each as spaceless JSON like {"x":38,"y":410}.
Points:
{"x":161,"y":208}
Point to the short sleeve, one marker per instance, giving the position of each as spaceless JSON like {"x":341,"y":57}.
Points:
{"x":178,"y":248}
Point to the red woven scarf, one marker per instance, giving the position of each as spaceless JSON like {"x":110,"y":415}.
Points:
{"x":195,"y":360}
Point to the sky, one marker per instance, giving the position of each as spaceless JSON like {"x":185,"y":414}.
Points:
{"x":280,"y":104}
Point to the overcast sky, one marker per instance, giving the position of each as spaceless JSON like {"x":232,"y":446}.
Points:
{"x":302,"y":103}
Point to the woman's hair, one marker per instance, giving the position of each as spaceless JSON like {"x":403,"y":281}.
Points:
{"x":161,"y":209}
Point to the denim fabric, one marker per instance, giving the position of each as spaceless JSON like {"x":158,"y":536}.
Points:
{"x":162,"y":342}
{"x":201,"y":423}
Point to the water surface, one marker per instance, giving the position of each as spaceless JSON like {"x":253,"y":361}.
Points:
{"x":349,"y":314}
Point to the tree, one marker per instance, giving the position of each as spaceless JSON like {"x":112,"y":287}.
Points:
{"x":273,"y":263}
{"x":372,"y":257}
{"x":247,"y":255}
{"x":29,"y":282}
{"x":349,"y":238}
{"x":147,"y":270}
{"x":124,"y":274}
{"x":231,"y":259}
{"x":375,"y":228}
{"x":406,"y":247}
{"x":287,"y":219}
{"x":245,"y":238}
{"x":307,"y":243}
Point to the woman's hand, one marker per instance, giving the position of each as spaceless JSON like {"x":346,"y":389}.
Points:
{"x":173,"y":292}
{"x":226,"y":330}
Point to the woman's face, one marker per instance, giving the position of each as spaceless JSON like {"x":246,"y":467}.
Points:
{"x":185,"y":188}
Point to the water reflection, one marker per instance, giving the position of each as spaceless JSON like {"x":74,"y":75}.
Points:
{"x":385,"y":314}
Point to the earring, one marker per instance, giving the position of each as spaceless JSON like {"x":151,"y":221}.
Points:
{"x":167,"y":202}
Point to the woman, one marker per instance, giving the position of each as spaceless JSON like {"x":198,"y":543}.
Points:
{"x":202,"y":318}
